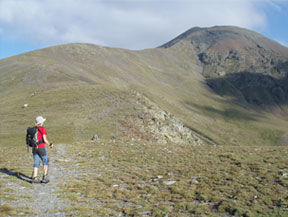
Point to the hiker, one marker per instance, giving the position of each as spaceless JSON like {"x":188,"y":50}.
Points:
{"x":40,"y":152}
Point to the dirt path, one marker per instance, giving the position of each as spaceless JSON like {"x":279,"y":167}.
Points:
{"x":42,"y":199}
{"x":45,"y":197}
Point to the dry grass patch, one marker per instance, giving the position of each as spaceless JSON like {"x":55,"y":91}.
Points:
{"x":138,"y":179}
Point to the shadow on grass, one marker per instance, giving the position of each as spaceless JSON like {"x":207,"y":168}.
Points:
{"x":226,"y":114}
{"x":18,"y":175}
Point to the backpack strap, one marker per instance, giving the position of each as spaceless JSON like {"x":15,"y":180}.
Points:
{"x":40,"y":141}
{"x":39,"y":130}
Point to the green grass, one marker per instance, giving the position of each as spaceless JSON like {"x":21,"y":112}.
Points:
{"x":78,"y":113}
{"x":76,"y":84}
{"x":72,"y":115}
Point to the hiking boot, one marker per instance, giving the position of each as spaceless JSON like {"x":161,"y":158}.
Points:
{"x":35,"y":180}
{"x":45,"y":179}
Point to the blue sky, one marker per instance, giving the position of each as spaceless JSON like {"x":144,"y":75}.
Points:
{"x":27,"y":25}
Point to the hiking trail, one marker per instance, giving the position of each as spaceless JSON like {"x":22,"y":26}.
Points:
{"x":43,"y":199}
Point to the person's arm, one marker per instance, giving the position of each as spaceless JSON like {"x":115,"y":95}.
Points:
{"x":47,"y":142}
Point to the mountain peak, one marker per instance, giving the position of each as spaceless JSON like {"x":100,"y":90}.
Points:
{"x":226,"y":37}
{"x":220,"y":47}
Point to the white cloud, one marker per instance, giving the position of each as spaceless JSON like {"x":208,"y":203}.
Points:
{"x":275,"y":5}
{"x":129,"y":24}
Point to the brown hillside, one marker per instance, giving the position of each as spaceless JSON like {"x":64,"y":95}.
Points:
{"x":202,"y":77}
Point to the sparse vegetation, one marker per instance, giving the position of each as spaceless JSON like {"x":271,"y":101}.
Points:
{"x":112,"y":177}
{"x":132,"y":178}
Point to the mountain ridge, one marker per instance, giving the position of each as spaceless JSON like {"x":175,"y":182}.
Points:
{"x":196,"y":89}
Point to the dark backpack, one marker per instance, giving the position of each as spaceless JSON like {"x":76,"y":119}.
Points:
{"x":32,"y":137}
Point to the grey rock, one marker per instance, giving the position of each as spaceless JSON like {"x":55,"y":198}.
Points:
{"x":169,"y":182}
{"x":195,"y":179}
{"x":157,"y":178}
{"x":95,"y":138}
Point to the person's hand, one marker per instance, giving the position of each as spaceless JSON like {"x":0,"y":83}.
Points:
{"x":51,"y":145}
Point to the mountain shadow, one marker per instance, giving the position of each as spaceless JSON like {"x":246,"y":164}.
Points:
{"x":227,"y":114}
{"x":257,"y":89}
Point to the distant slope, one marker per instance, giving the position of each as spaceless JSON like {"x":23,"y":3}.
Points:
{"x":240,"y":63}
{"x":85,"y":89}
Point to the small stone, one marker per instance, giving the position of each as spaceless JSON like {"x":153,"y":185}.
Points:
{"x":144,"y":213}
{"x":194,"y":181}
{"x":234,"y":197}
{"x":115,"y":186}
{"x":95,"y":138}
{"x":101,"y":158}
{"x":157,"y":178}
{"x":169,"y":182}
{"x":221,"y":73}
{"x":285,"y":175}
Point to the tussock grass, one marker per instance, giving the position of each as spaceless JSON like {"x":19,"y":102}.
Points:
{"x":112,"y":177}
{"x":7,"y":210}
{"x":132,"y":178}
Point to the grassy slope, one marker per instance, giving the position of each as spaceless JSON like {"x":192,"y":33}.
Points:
{"x":73,"y":84}
{"x":86,"y":94}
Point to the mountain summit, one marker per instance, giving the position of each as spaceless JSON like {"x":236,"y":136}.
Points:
{"x":226,"y":49}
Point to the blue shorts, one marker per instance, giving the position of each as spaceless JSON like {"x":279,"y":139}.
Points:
{"x":40,"y":155}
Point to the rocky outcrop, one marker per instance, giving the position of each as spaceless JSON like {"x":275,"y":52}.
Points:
{"x":233,"y":61}
{"x":153,"y":124}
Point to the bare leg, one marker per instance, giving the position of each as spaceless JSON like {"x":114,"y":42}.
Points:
{"x":45,"y":177}
{"x":35,"y":172}
{"x":45,"y":169}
